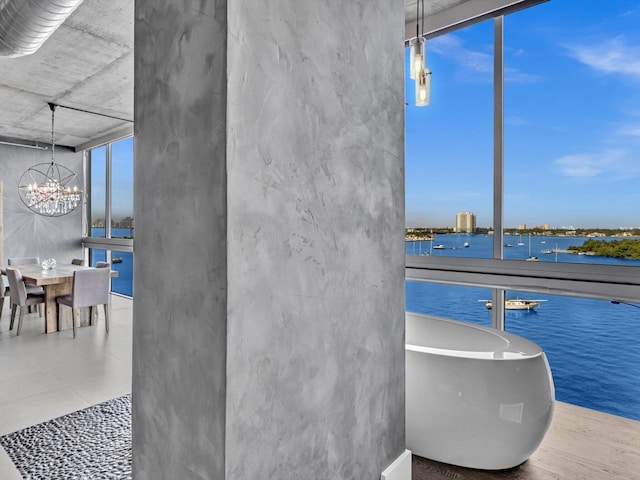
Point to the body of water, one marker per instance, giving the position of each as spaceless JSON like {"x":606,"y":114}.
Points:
{"x":123,"y":283}
{"x":592,"y":345}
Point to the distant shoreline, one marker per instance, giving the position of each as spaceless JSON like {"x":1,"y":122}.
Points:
{"x":417,"y":234}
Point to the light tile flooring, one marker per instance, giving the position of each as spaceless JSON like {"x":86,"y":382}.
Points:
{"x":44,"y":376}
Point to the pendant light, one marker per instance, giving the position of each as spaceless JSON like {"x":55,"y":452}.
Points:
{"x":50,"y":189}
{"x":416,"y":55}
{"x":423,"y":87}
{"x":418,"y":60}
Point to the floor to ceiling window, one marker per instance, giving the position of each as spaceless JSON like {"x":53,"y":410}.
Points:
{"x":111,"y":222}
{"x":565,"y":184}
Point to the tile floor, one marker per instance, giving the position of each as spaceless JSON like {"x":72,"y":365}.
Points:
{"x":43,"y":376}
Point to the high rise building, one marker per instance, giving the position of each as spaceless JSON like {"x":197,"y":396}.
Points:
{"x":466,"y":222}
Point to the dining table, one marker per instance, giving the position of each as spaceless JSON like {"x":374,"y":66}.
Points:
{"x":55,"y":282}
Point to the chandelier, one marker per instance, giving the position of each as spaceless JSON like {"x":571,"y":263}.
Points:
{"x":50,"y":189}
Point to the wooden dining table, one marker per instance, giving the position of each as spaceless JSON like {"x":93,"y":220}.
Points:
{"x":55,"y":282}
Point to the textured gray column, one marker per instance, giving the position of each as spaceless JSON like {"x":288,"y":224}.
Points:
{"x":289,"y":264}
{"x":315,"y":374}
{"x":179,"y":344}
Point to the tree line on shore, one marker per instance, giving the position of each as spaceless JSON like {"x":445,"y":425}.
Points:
{"x":626,"y":248}
{"x":425,"y":233}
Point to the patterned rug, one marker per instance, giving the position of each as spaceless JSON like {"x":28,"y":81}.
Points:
{"x":90,"y":444}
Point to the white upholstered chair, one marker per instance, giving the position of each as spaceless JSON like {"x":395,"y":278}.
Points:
{"x":6,"y":289}
{"x":20,"y":297}
{"x":17,"y":261}
{"x":90,"y":289}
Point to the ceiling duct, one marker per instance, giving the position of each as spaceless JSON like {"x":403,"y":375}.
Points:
{"x":26,"y":24}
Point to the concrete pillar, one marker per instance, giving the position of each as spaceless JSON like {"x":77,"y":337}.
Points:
{"x":269,"y":265}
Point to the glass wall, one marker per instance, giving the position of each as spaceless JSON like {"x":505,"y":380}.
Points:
{"x":111,"y":209}
{"x":449,"y":146}
{"x":570,"y":176}
{"x":571,"y":131}
{"x":122,"y":189}
{"x":468,"y":304}
{"x":98,"y":192}
{"x":591,"y":346}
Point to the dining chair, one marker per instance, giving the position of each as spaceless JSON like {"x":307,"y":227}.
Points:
{"x":90,"y":288}
{"x":78,"y":261}
{"x":104,"y":265}
{"x":20,"y":297}
{"x":14,"y":262}
{"x":4,"y":292}
{"x":23,"y":261}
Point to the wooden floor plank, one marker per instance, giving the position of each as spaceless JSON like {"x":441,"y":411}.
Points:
{"x":582,"y":444}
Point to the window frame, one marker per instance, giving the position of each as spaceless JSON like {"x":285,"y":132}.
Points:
{"x":104,"y":243}
{"x":607,"y":282}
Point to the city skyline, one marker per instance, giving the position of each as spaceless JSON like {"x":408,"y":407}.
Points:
{"x":571,"y":129}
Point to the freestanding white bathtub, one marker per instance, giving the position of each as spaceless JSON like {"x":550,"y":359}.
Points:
{"x":476,"y":397}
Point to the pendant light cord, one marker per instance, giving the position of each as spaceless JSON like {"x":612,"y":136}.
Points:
{"x":53,"y":143}
{"x":418,"y":18}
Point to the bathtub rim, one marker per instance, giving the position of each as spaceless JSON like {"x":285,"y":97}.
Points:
{"x":528,"y":351}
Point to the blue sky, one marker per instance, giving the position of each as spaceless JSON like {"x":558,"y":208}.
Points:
{"x":572,"y":120}
{"x":121,"y":183}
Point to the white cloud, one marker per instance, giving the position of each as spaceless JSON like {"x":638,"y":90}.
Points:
{"x":516,"y":121}
{"x":631,"y":131}
{"x":579,"y":165}
{"x":511,"y":75}
{"x":604,"y":166}
{"x":609,"y":56}
{"x":475,"y":65}
{"x":451,"y":46}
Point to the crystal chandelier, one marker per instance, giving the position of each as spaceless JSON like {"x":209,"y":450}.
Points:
{"x":50,"y":189}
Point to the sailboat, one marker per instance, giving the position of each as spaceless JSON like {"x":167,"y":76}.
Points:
{"x":531,"y":258}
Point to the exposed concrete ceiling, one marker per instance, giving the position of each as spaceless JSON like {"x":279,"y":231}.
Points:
{"x":87,"y":64}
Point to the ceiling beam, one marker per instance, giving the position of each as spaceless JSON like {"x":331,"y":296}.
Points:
{"x":111,"y":137}
{"x":461,"y":15}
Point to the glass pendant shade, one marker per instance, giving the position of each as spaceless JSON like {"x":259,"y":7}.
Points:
{"x":416,"y":57}
{"x":423,"y":88}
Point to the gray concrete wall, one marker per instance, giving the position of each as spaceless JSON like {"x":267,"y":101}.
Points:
{"x":269,"y":267}
{"x":27,"y":234}
{"x":179,"y":344}
{"x":316,"y":244}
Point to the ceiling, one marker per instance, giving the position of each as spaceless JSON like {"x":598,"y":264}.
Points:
{"x":87,"y":64}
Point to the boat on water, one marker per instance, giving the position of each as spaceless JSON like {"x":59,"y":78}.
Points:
{"x":547,"y":251}
{"x":515,"y":304}
{"x":116,"y":260}
{"x":439,"y":247}
{"x":466,"y":244}
{"x":531,"y":258}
